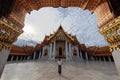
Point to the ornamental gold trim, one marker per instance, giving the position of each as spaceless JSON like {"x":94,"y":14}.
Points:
{"x":4,"y":45}
{"x":111,"y":33}
{"x":115,"y":47}
{"x":8,"y":33}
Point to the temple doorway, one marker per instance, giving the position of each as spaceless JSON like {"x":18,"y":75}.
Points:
{"x":60,"y":52}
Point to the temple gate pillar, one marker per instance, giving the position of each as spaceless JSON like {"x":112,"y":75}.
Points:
{"x":3,"y":59}
{"x":8,"y":35}
{"x":111,"y":33}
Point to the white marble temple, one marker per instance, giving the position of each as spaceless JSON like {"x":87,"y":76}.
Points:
{"x":45,"y":70}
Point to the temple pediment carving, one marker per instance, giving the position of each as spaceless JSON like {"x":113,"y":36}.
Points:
{"x":60,"y":34}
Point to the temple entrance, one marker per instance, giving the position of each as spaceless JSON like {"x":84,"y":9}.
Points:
{"x":60,"y":52}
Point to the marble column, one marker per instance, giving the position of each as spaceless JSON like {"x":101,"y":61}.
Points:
{"x":77,"y":52}
{"x":54,"y":50}
{"x":100,"y":58}
{"x":21,"y":58}
{"x":70,"y":51}
{"x":43,"y":51}
{"x":34,"y":55}
{"x":39,"y":54}
{"x":81,"y":55}
{"x":28,"y":58}
{"x":50,"y":50}
{"x":92,"y":58}
{"x":66,"y":50}
{"x":3,"y":59}
{"x":104,"y":59}
{"x":109,"y":58}
{"x":86,"y":55}
{"x":16,"y":58}
{"x":8,"y":35}
{"x":24,"y":57}
{"x":113,"y":39}
{"x":11,"y":58}
{"x":116,"y":56}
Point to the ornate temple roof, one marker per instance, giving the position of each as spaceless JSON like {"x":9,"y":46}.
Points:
{"x":92,"y":50}
{"x":99,"y":51}
{"x":60,"y":34}
{"x":25,"y":50}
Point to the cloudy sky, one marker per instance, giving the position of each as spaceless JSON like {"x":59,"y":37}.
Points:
{"x":76,"y":21}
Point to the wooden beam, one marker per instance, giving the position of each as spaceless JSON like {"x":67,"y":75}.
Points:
{"x":99,"y":1}
{"x":84,"y":5}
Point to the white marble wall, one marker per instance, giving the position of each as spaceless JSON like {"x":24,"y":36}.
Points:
{"x":3,"y":59}
{"x":116,"y":56}
{"x":76,"y":47}
{"x":68,"y":52}
{"x":45,"y":47}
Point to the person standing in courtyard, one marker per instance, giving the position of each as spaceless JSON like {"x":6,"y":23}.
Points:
{"x":59,"y":66}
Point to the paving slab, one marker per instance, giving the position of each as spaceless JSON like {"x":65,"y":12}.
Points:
{"x":45,"y":70}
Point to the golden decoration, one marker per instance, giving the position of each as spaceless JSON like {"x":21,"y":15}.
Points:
{"x":111,"y":33}
{"x":8,"y":33}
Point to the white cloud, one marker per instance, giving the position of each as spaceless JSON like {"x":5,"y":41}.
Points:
{"x":74,"y":20}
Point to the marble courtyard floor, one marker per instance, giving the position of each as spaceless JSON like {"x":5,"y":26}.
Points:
{"x":45,"y":70}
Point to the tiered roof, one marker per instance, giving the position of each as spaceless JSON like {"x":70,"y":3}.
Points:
{"x":99,"y":51}
{"x":60,"y":34}
{"x":25,"y":50}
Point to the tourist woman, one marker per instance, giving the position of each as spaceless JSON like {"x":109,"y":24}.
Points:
{"x":59,"y":66}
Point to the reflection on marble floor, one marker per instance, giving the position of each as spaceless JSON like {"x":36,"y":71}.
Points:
{"x":45,"y":70}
